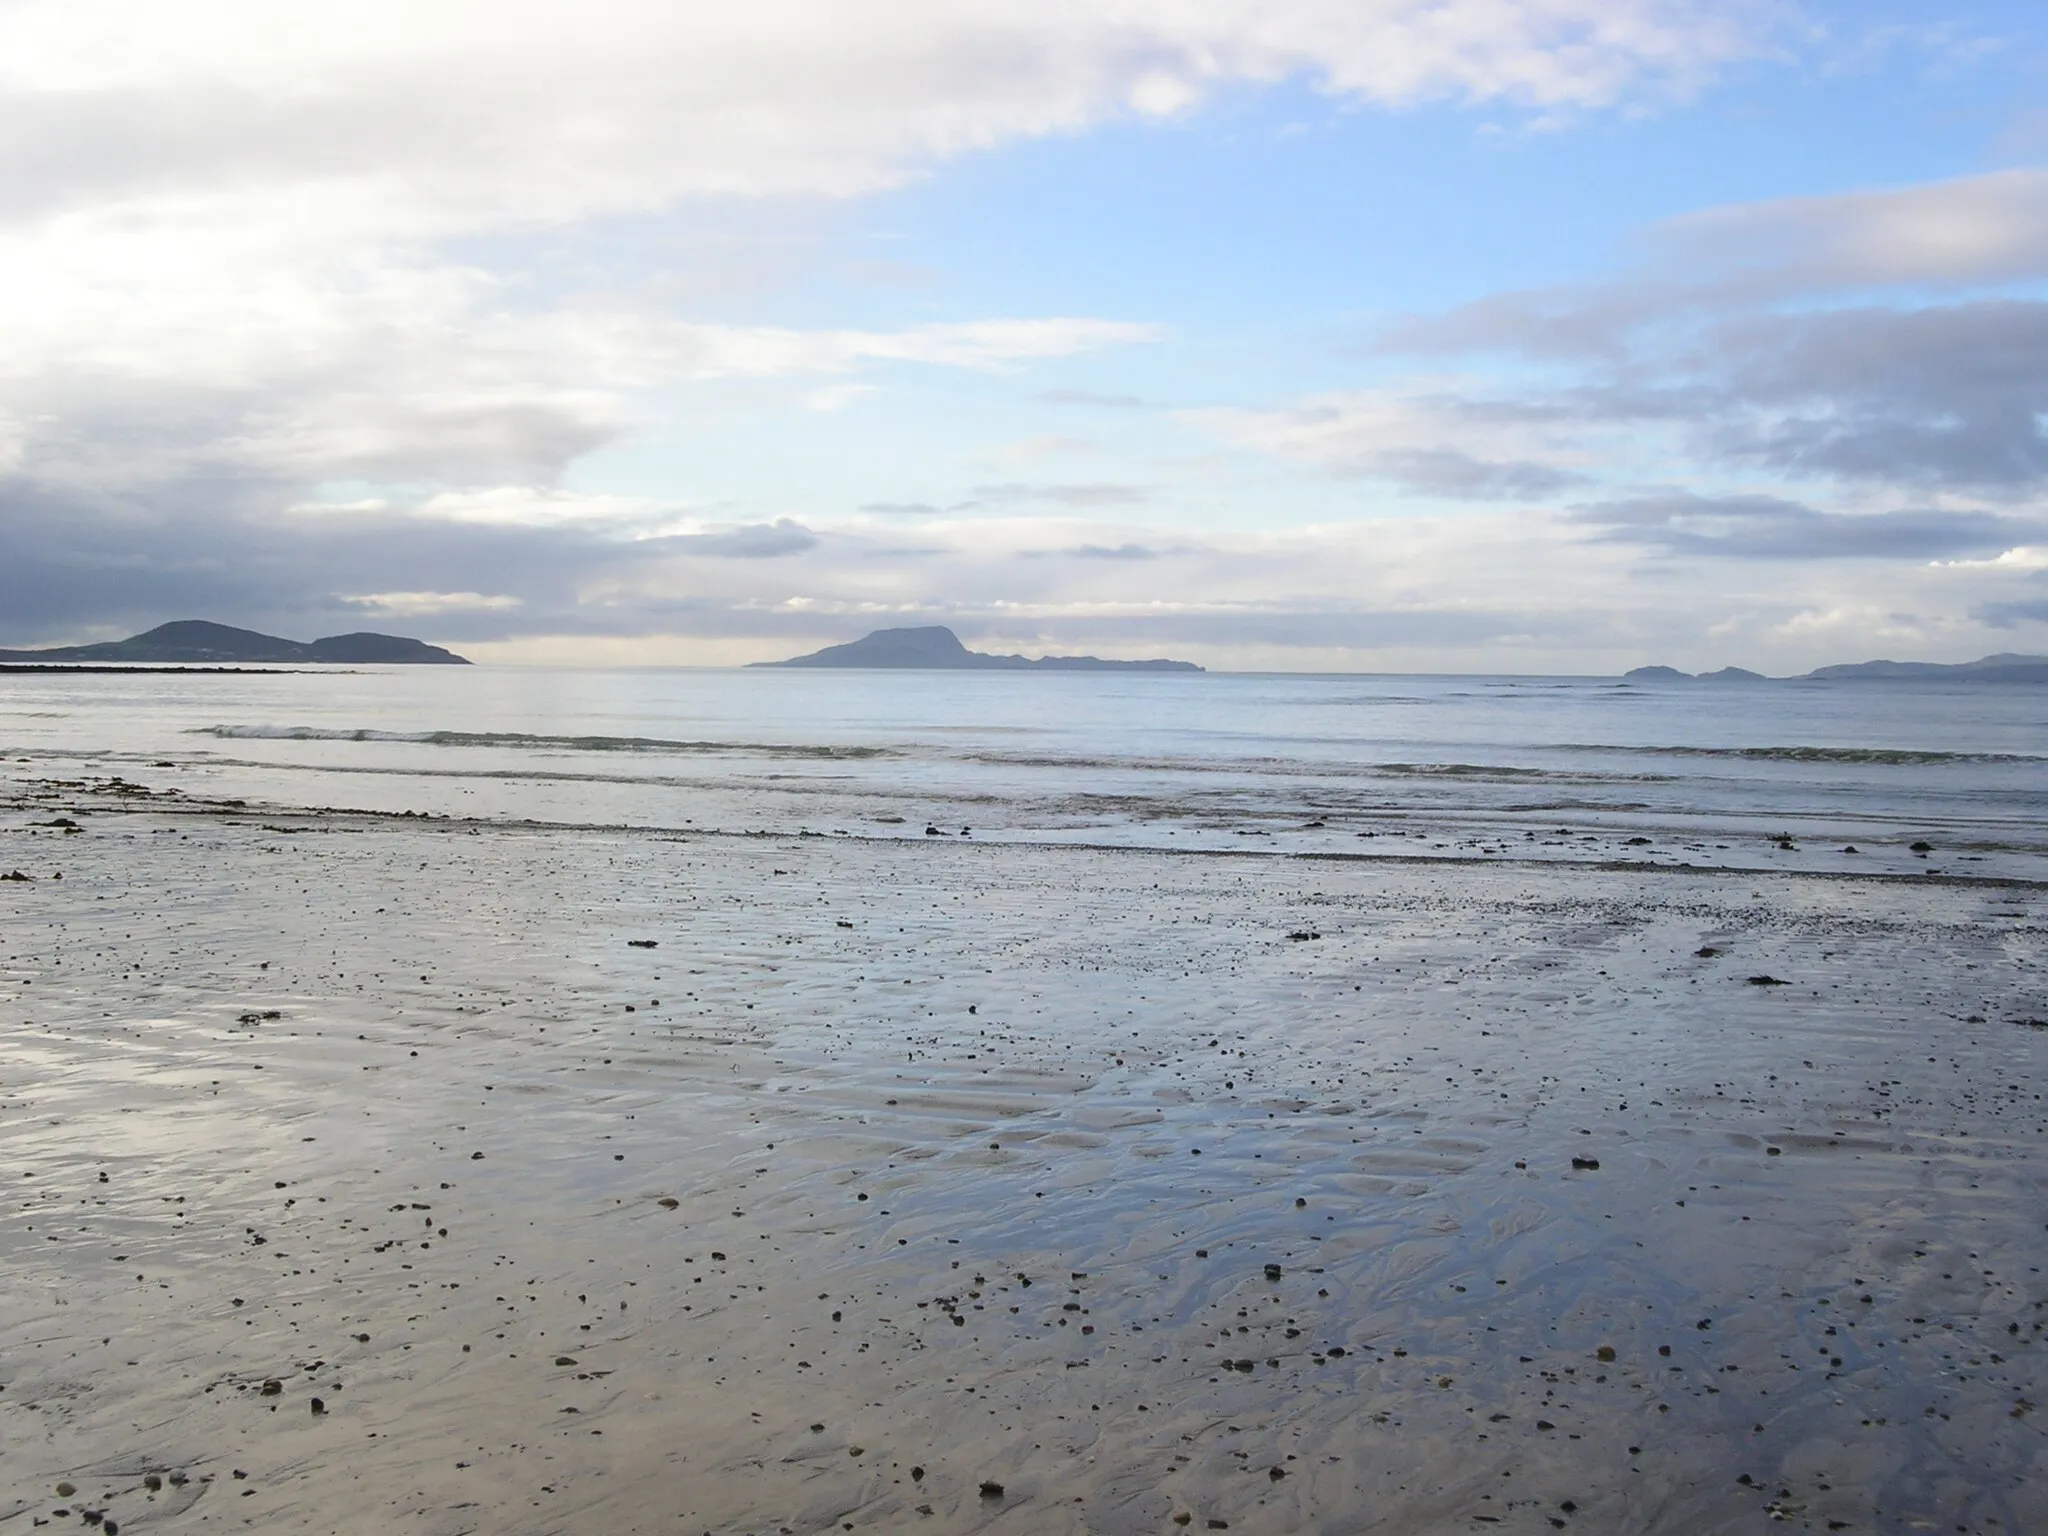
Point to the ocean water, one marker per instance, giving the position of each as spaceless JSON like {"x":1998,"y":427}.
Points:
{"x":1387,"y":766}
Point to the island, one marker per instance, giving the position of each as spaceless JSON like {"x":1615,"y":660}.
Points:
{"x":197,"y":640}
{"x":2006,"y":667}
{"x":933,"y":647}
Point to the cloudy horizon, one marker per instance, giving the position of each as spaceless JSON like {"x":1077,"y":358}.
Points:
{"x":1302,"y":334}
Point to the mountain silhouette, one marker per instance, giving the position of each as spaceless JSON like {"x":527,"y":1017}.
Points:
{"x":933,"y":647}
{"x":197,"y":640}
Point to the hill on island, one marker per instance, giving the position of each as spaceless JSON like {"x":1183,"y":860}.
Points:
{"x":196,"y":640}
{"x":2003,"y":668}
{"x":935,"y":648}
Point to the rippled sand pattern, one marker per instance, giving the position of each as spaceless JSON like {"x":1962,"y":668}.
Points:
{"x":943,"y":1187}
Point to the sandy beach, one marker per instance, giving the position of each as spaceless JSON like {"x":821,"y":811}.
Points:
{"x":377,"y":1173}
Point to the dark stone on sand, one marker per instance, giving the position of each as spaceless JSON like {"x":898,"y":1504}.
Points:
{"x":1923,"y":847}
{"x":318,"y":1407}
{"x":917,"y":1474}
{"x":272,"y":1387}
{"x":1768,"y":981}
{"x":1586,"y":1164}
{"x":991,"y":1489}
{"x":1273,"y":1271}
{"x":642,"y":943}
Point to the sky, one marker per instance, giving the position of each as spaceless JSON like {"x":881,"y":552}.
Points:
{"x":1306,"y":335}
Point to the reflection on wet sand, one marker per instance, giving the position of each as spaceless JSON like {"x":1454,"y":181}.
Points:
{"x":1064,"y":1190}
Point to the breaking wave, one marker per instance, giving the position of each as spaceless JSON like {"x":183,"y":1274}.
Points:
{"x":1896,"y":755}
{"x":522,"y":740}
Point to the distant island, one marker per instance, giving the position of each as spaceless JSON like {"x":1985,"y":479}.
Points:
{"x":2003,"y":668}
{"x":936,"y":648}
{"x":196,"y":640}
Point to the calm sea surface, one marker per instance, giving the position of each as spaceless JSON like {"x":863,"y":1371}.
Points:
{"x":1389,"y":765}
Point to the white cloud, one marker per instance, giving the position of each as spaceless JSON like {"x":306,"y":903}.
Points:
{"x":264,"y":253}
{"x":249,"y":196}
{"x":1429,"y":437}
{"x":514,"y":506}
{"x":1966,"y":231}
{"x":2021,"y":557}
{"x":432,"y":604}
{"x":468,"y":110}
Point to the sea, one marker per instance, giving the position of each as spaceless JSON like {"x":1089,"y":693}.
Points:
{"x":1905,"y":779}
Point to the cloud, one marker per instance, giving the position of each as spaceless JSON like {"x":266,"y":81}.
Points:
{"x":1090,"y":397}
{"x":1062,"y":495}
{"x":220,"y":551}
{"x":1097,"y":552}
{"x":299,"y":306}
{"x":526,"y":110}
{"x":2011,"y":615}
{"x":1962,"y":233}
{"x":1432,"y":438}
{"x":1113,"y":552}
{"x":2022,"y":557}
{"x":1490,"y":588}
{"x":1449,"y":473}
{"x":1966,"y":231}
{"x":417,"y":604}
{"x":1768,"y":528}
{"x":505,"y":505}
{"x":1330,"y":625}
{"x":1946,"y":396}
{"x":900,"y":509}
{"x":749,"y":541}
{"x":1828,"y":338}
{"x":229,"y":238}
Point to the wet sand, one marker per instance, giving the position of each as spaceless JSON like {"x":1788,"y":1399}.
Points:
{"x":940,"y":1186}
